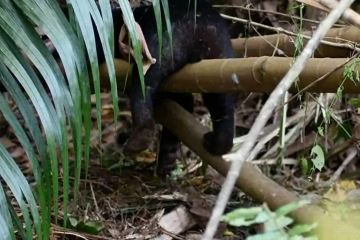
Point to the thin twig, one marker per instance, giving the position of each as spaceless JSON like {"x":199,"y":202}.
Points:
{"x":95,"y":182}
{"x":72,"y":234}
{"x":266,"y":113}
{"x":350,"y":157}
{"x":95,"y":202}
{"x":274,"y":161}
{"x":272,"y":12}
{"x":69,"y":233}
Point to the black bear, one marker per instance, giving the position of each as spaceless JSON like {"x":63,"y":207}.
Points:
{"x":198,"y":33}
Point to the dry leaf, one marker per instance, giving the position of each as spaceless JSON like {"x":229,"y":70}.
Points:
{"x":338,"y":193}
{"x":177,"y":221}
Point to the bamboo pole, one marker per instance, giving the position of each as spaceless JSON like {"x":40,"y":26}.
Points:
{"x":283,"y":44}
{"x":260,"y":74}
{"x":251,"y":181}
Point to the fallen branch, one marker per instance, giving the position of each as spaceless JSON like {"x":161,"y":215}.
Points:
{"x":250,"y":8}
{"x":251,"y":181}
{"x":352,"y":153}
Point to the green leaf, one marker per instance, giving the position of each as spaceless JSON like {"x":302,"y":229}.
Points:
{"x":355,"y":102}
{"x":165,"y":6}
{"x":304,"y":164}
{"x":246,"y":213}
{"x":18,"y":185}
{"x":158,"y":18}
{"x":320,"y":130}
{"x":6,"y":225}
{"x":73,"y":222}
{"x":345,"y":130}
{"x":49,"y":17}
{"x":301,"y":229}
{"x":5,"y":230}
{"x":277,"y":223}
{"x":84,"y":12}
{"x":92,"y":227}
{"x":288,"y":208}
{"x":318,"y":157}
{"x":27,"y":78}
{"x":106,"y":13}
{"x":23,"y":33}
{"x":135,"y":39}
{"x":246,"y":216}
{"x":27,"y":146}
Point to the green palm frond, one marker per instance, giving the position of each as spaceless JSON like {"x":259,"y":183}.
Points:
{"x":52,"y":103}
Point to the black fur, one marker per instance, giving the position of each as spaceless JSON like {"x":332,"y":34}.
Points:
{"x":193,"y":40}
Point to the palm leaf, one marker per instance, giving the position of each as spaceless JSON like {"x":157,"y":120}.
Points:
{"x":47,"y":117}
{"x":6,"y":225}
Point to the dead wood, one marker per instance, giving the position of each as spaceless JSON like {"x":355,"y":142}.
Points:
{"x":251,"y":180}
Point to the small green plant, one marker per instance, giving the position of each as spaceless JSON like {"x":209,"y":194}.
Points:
{"x":315,"y":162}
{"x":276,"y":224}
{"x":177,"y":172}
{"x":351,"y":73}
{"x":318,"y":157}
{"x":299,"y":40}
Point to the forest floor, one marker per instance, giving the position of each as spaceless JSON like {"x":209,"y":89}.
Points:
{"x":122,"y":198}
{"x":126,"y":200}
